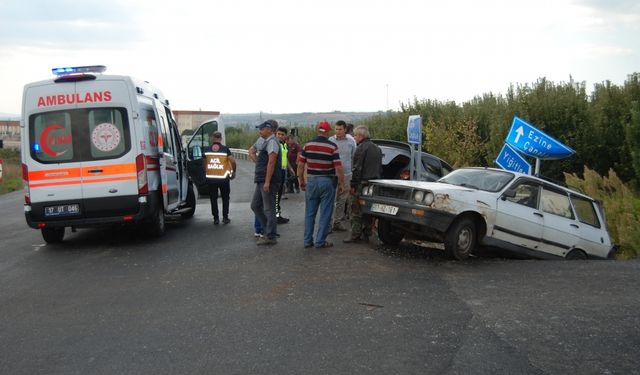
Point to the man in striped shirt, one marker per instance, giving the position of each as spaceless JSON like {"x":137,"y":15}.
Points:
{"x":321,"y":159}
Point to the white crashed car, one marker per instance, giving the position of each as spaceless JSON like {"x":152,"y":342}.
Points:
{"x":473,"y":207}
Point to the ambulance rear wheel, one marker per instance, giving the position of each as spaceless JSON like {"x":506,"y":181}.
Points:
{"x":191,"y":203}
{"x":156,"y":227}
{"x":53,"y":235}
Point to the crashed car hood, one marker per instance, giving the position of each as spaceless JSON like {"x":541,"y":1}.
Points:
{"x":454,"y":192}
{"x":436,"y":187}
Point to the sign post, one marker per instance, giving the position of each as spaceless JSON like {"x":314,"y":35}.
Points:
{"x":414,"y":137}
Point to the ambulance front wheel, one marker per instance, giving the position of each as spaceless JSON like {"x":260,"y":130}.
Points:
{"x":53,"y":235}
{"x":190,"y":204}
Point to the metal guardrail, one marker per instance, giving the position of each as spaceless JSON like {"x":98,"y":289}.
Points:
{"x":240,"y":154}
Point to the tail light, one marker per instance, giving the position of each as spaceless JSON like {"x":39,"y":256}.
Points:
{"x":25,"y":184}
{"x":141,"y":168}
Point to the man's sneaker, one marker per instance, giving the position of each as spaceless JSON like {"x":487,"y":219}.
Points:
{"x":282,"y":220}
{"x":226,"y":220}
{"x":216,"y":221}
{"x":266,"y":241}
{"x":258,"y":235}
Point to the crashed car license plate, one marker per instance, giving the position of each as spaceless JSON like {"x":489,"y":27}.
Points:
{"x":62,"y":210}
{"x":384,"y":209}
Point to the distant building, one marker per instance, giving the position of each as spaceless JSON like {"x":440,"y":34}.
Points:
{"x":193,"y":119}
{"x":9,"y":128}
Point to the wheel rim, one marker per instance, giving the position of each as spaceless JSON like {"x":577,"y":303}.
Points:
{"x":464,"y":240}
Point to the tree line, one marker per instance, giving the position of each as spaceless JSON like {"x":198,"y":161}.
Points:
{"x":602,"y":126}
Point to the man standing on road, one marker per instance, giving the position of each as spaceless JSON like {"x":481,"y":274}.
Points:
{"x":267,"y":179}
{"x":346,"y":147}
{"x":293,"y":152}
{"x":321,"y":159}
{"x":367,"y":162}
{"x":220,"y":167}
{"x":281,"y":134}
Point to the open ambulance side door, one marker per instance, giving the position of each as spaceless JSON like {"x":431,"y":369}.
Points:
{"x":169,"y":160}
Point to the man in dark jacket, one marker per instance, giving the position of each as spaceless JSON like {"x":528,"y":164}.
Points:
{"x":267,"y":179}
{"x":367,"y":162}
{"x":220,"y":167}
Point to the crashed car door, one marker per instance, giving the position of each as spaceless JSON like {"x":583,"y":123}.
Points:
{"x":518,"y":220}
{"x":561,"y":230}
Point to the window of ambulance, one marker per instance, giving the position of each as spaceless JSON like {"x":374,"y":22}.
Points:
{"x":107,"y":130}
{"x":79,"y":135}
{"x":149,"y":117}
{"x":201,"y":140}
{"x":197,"y":146}
{"x":51,"y":137}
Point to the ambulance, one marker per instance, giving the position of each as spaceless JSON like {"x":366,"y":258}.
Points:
{"x":100,"y":149}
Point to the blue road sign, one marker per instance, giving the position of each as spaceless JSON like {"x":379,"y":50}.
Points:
{"x":414,"y":130}
{"x":510,"y":160}
{"x":531,"y":141}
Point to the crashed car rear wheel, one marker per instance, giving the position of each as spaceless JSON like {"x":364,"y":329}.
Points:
{"x":460,"y":239}
{"x":576,"y":255}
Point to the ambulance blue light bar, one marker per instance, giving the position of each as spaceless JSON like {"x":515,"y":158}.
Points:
{"x":79,"y":69}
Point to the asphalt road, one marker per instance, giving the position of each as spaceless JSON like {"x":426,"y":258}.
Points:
{"x":205,"y":299}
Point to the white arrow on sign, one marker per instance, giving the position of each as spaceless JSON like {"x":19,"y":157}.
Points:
{"x":519,"y":133}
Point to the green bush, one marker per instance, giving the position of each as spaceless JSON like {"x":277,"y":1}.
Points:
{"x":11,"y":185}
{"x":621,"y":205}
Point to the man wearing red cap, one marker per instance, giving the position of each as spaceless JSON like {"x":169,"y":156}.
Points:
{"x":321,"y":159}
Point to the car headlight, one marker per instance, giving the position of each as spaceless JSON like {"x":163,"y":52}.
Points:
{"x":418,"y":195}
{"x":428,"y":198}
{"x":367,"y":190}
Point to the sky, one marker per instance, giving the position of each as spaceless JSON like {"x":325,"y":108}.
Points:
{"x":246,"y":56}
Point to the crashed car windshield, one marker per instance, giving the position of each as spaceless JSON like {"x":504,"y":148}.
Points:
{"x":480,"y":179}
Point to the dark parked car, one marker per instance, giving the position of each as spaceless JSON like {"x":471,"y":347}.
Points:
{"x":397,"y":155}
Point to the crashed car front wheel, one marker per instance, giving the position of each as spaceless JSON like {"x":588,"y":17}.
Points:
{"x":460,"y":240}
{"x":388,"y":234}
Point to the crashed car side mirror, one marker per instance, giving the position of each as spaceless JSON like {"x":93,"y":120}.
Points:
{"x":509,"y":193}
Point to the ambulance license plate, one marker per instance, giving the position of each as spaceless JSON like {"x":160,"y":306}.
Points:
{"x":384,"y":209}
{"x":62,"y":210}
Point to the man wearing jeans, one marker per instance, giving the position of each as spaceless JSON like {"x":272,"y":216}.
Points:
{"x":321,"y":159}
{"x":346,"y":147}
{"x":267,"y":179}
